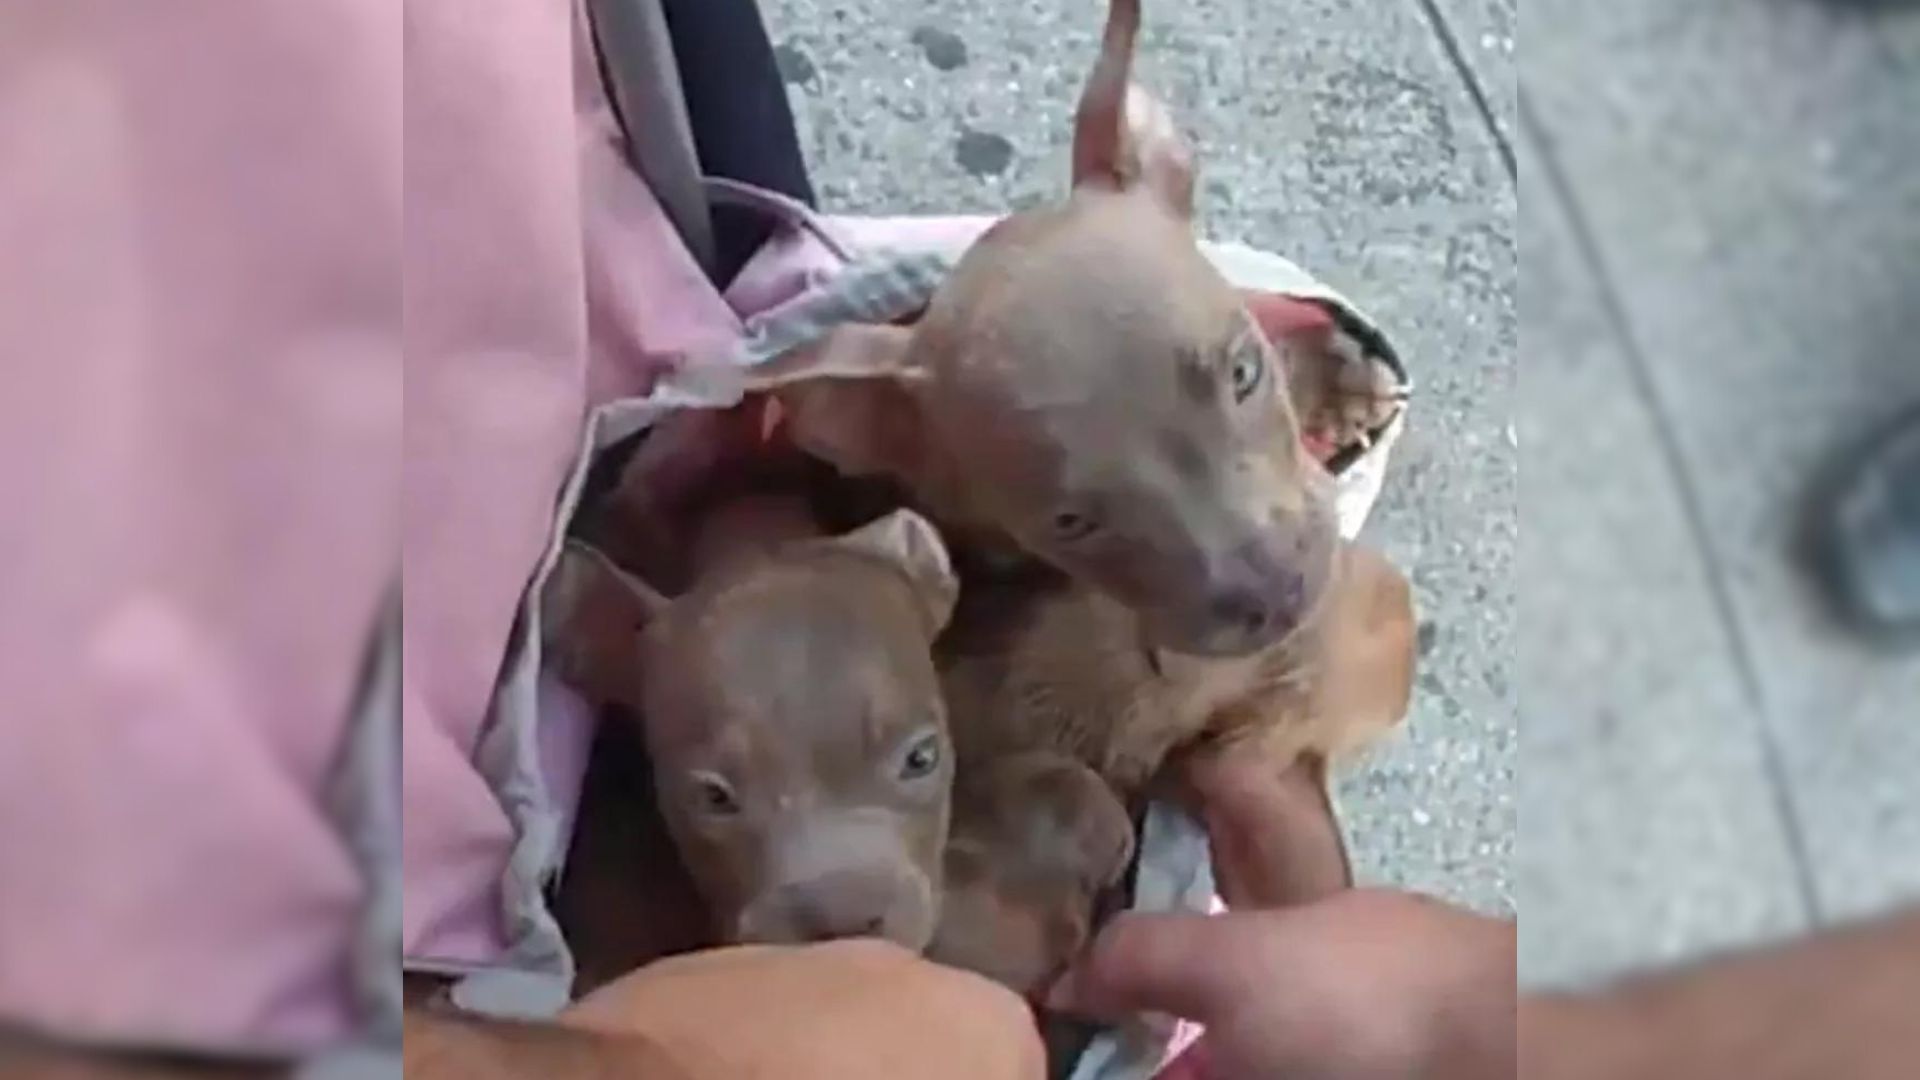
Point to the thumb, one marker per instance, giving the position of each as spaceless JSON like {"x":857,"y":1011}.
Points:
{"x":1186,"y":965}
{"x":1239,"y":786}
{"x":1274,"y":838}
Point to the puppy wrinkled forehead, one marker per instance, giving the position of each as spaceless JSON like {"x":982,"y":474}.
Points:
{"x":782,"y":651}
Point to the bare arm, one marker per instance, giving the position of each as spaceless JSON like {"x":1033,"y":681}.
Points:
{"x":457,"y":1048}
{"x":847,"y":1010}
{"x":1306,"y":977}
{"x":1843,"y":1005}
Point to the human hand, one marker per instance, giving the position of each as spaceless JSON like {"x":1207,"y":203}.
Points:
{"x":845,"y":1010}
{"x":1366,"y":983}
{"x":1306,"y":979}
{"x":1272,"y":833}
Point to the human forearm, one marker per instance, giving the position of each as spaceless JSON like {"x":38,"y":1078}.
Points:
{"x":1839,"y":1006}
{"x":445,"y":1047}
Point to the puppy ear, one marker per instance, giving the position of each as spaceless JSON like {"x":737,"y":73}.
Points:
{"x":1366,"y":677}
{"x":910,"y":543}
{"x":1123,"y":136}
{"x":847,"y":400}
{"x":1156,"y":154}
{"x":592,"y":613}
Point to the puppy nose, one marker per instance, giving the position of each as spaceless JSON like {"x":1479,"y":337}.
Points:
{"x":842,"y":905}
{"x":1257,"y":594}
{"x":1244,"y":610}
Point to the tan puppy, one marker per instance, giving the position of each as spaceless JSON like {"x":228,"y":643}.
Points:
{"x":1087,"y":386}
{"x":794,"y":721}
{"x":1060,"y":720}
{"x":1061,"y":672}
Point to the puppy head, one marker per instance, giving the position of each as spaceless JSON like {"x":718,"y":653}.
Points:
{"x":1035,"y":841}
{"x":797,"y":734}
{"x":1086,"y":383}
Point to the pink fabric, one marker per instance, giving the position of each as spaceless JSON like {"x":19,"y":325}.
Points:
{"x":914,"y":233}
{"x":199,"y":415}
{"x":543,"y":279}
{"x":790,"y":264}
{"x":496,"y":370}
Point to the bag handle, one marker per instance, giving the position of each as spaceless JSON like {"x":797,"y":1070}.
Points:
{"x":782,"y":208}
{"x":643,"y":85}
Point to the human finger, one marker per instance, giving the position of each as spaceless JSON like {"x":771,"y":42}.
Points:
{"x":1274,"y":837}
{"x":1191,"y":966}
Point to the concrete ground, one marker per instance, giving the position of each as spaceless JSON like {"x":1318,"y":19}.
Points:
{"x":1722,"y":250}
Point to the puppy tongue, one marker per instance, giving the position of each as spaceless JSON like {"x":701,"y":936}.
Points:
{"x":1320,"y":445}
{"x":1280,"y":316}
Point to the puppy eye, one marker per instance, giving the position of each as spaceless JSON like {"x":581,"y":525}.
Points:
{"x":715,"y":796}
{"x":1247,"y":370}
{"x":921,"y":759}
{"x":1069,"y":525}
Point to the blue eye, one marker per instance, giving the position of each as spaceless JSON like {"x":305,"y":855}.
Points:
{"x":1247,"y":369}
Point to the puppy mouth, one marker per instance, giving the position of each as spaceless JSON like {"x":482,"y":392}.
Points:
{"x":908,"y":932}
{"x":1222,"y":630}
{"x":1214,"y":641}
{"x":907,"y":918}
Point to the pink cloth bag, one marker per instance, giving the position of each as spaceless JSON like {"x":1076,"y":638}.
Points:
{"x":200,"y":409}
{"x":543,"y":280}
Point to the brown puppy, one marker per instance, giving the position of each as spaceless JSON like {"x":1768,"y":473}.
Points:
{"x":794,"y":721}
{"x":1059,"y":719}
{"x":1086,"y":385}
{"x":1061,"y":671}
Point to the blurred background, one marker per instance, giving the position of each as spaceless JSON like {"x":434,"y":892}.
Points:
{"x":1721,"y":295}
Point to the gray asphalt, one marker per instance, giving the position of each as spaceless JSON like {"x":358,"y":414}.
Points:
{"x":1720,"y":237}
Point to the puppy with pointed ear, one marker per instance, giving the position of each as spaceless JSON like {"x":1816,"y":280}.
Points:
{"x":1086,"y":388}
{"x":794,"y":722}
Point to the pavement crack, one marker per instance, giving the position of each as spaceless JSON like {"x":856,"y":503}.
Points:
{"x":1476,"y":90}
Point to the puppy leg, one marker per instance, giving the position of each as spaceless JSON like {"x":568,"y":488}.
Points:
{"x":1036,"y":838}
